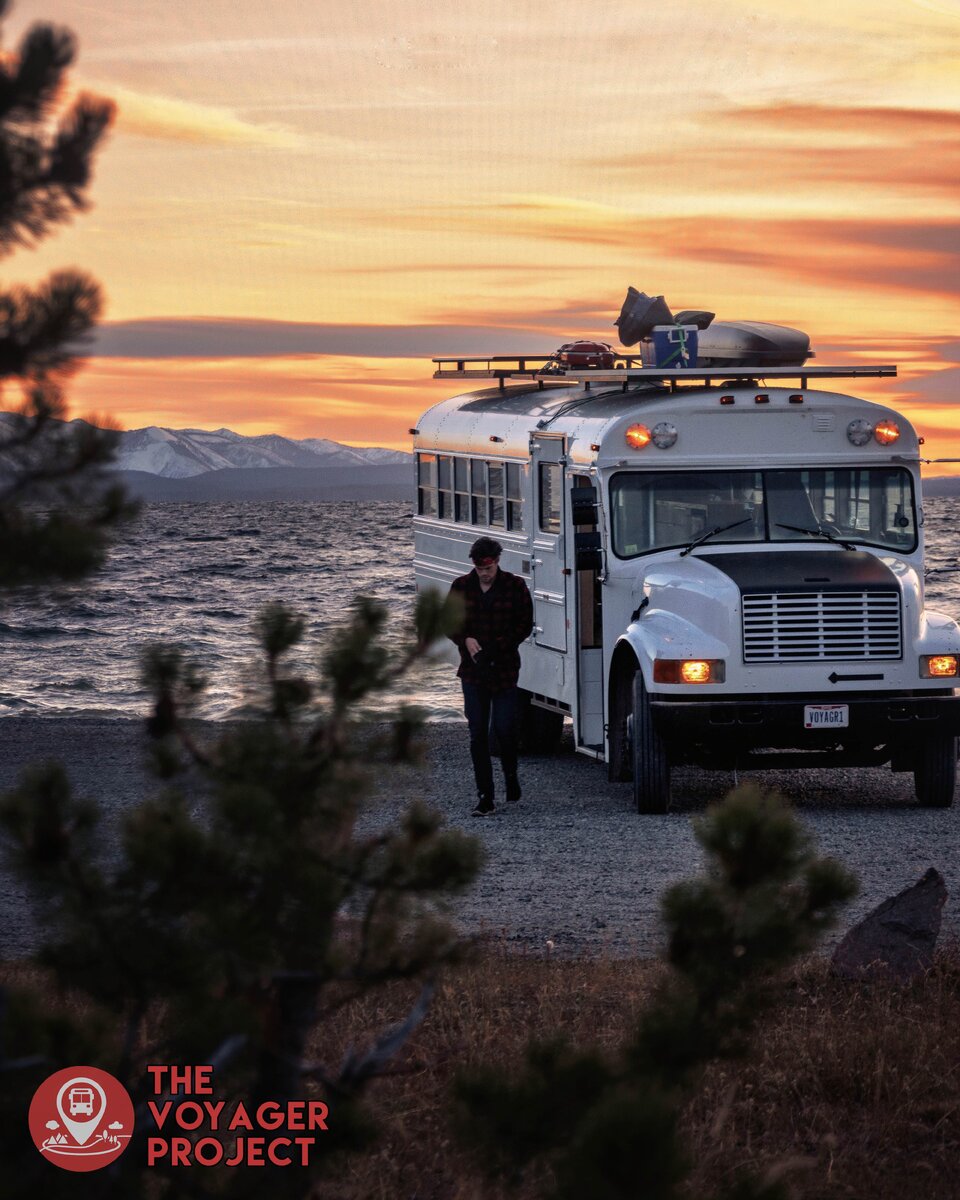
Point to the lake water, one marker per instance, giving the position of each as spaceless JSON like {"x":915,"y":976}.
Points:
{"x":196,"y":574}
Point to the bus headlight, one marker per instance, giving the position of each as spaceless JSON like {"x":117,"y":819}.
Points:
{"x":939,"y":666}
{"x":689,"y":670}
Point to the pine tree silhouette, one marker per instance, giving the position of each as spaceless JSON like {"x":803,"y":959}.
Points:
{"x":56,"y":505}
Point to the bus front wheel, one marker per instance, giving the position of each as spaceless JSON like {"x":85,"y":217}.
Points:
{"x":651,"y":766}
{"x":935,"y":771}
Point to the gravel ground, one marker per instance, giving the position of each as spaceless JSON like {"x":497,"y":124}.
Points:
{"x":572,"y":865}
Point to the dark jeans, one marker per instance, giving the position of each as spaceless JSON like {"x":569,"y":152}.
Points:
{"x":484,"y":709}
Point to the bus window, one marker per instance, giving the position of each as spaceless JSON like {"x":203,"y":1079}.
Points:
{"x":550,"y":497}
{"x":495,"y":480}
{"x":461,"y":484}
{"x":426,"y":485}
{"x":445,"y":487}
{"x":478,"y":491}
{"x":514,"y":497}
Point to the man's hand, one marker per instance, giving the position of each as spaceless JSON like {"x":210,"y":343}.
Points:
{"x":472,"y":645}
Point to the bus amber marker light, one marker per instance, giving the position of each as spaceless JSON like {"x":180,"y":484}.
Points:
{"x":638,"y":436}
{"x":938,"y":666}
{"x":886,"y":432}
{"x":688,"y":670}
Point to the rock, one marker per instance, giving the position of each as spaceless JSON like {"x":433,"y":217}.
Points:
{"x":897,"y":939}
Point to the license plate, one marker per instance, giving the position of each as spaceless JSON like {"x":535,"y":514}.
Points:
{"x":826,"y":716}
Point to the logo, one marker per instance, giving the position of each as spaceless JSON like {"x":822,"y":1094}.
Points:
{"x":81,"y":1119}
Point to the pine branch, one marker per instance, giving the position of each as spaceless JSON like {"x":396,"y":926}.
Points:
{"x":44,"y":56}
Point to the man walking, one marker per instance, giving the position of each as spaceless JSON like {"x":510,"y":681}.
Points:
{"x":498,"y":616}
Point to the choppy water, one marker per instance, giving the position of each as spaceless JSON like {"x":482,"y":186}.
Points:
{"x":197,"y":575}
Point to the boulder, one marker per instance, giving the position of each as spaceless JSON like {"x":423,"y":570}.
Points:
{"x":897,"y":939}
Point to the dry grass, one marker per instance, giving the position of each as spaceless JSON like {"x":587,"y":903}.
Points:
{"x":854,"y":1090}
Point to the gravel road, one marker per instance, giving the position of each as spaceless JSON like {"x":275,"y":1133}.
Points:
{"x":572,"y":864}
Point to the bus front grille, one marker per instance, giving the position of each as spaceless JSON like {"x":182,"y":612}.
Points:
{"x":821,"y":626}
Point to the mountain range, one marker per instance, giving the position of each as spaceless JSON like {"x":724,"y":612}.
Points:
{"x":159,"y":464}
{"x":183,"y":453}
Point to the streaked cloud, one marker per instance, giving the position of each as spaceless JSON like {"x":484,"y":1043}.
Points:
{"x":187,"y":338}
{"x":143,"y":114}
{"x":889,"y":255}
{"x":899,"y":149}
{"x":847,"y":122}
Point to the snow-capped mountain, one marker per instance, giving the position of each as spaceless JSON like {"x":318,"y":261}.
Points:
{"x":182,"y":453}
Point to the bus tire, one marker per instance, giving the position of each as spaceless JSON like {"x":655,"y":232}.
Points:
{"x":651,"y":766}
{"x":935,"y":771}
{"x":619,"y":763}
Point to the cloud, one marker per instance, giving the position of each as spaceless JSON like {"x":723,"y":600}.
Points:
{"x":897,"y":256}
{"x":768,"y":149}
{"x":886,"y":256}
{"x":939,"y":387}
{"x":186,"y":337}
{"x":143,"y":114}
{"x":847,"y":122}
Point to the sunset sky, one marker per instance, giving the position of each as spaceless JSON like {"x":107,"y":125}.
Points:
{"x":300,"y":203}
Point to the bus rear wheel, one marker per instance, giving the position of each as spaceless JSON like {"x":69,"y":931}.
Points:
{"x":935,"y":771}
{"x":651,"y":766}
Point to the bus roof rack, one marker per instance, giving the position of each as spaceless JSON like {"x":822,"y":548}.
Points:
{"x":544,"y":367}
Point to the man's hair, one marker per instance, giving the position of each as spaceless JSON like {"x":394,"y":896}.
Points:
{"x":485,"y":547}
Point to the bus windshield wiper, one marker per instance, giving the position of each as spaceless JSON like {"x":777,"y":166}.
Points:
{"x":712,"y":533}
{"x":818,"y":532}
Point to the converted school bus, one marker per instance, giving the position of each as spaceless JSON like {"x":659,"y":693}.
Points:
{"x":723,"y":572}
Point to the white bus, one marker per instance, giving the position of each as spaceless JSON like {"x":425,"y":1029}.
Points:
{"x":726,"y":566}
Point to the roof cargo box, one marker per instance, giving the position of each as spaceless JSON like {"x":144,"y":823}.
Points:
{"x":752,"y":343}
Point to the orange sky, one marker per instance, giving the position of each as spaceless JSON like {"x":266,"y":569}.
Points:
{"x":299,"y":204}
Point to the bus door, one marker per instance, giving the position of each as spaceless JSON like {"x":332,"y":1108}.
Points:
{"x":549,"y":583}
{"x":588,"y":627}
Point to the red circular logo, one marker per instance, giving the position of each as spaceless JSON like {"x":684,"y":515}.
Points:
{"x":81,"y":1118}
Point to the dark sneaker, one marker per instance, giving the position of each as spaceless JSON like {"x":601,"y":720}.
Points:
{"x":513,"y":790}
{"x":485,"y":807}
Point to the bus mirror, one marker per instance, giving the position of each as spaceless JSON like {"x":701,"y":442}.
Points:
{"x":583,"y":505}
{"x":587,"y":551}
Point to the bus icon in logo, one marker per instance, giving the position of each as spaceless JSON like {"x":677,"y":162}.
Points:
{"x":80,"y":1100}
{"x":81,"y":1118}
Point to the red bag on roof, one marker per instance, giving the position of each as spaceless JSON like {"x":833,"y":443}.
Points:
{"x":586,"y":354}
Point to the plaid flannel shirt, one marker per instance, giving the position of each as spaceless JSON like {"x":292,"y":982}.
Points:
{"x":499,"y":620}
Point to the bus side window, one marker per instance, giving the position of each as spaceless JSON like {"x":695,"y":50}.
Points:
{"x":445,"y":486}
{"x":478,"y":491}
{"x":461,"y":484}
{"x":495,"y":475}
{"x":550,"y":497}
{"x":514,"y":497}
{"x":427,"y":485}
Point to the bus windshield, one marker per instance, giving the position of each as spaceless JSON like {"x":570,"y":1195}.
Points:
{"x":873,"y":506}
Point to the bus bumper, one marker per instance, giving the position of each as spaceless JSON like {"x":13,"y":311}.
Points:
{"x":747,"y":722}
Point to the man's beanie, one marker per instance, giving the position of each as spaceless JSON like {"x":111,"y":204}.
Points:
{"x":485,"y":547}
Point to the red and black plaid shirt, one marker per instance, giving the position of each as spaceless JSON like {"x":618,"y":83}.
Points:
{"x":500,"y":619}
